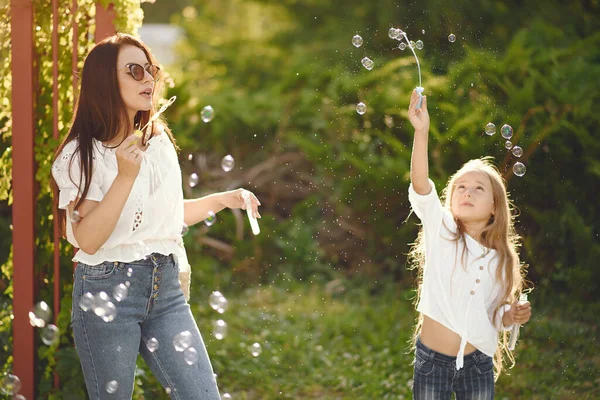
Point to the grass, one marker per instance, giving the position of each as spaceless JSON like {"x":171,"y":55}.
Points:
{"x":348,"y":343}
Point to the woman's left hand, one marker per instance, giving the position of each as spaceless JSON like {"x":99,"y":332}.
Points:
{"x":234,"y":199}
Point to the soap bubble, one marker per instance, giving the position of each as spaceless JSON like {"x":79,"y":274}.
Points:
{"x":508,"y":145}
{"x":194,"y":179}
{"x":112,"y":387}
{"x":40,"y":314}
{"x":86,"y":302}
{"x":219,"y":329}
{"x":10,"y":384}
{"x":120,"y":292}
{"x":111,"y":312}
{"x":227,"y":163}
{"x":402,"y":46}
{"x":419,"y":44}
{"x":361,"y":108}
{"x":50,"y":334}
{"x":218,"y":302}
{"x":211,"y":219}
{"x":357,"y":41}
{"x":519,"y":169}
{"x":75,"y":217}
{"x":393,"y":33}
{"x":129,"y":272}
{"x":423,"y":31}
{"x":506,"y":131}
{"x":367,"y":63}
{"x":190,"y":355}
{"x":255,"y":349}
{"x":412,"y":44}
{"x":452,"y":38}
{"x":517,"y":151}
{"x":207,"y":114}
{"x":152,"y":345}
{"x":182,"y":341}
{"x":226,"y":396}
{"x":490,"y":129}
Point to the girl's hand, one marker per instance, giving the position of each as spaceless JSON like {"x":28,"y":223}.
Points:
{"x":234,"y":199}
{"x":519,"y":313}
{"x":418,"y":118}
{"x":129,"y":158}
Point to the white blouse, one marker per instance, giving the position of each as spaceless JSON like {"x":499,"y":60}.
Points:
{"x":461,"y":297}
{"x":152,"y":218}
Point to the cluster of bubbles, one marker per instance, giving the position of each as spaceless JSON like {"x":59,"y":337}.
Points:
{"x":183,"y":344}
{"x":507,"y":131}
{"x":100,"y":304}
{"x":218,"y":302}
{"x":40,"y":317}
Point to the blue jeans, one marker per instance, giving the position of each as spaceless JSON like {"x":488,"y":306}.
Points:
{"x":436,"y":377}
{"x":154,"y":311}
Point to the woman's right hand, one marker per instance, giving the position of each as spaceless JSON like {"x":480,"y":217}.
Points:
{"x":418,"y":118}
{"x":129,"y":158}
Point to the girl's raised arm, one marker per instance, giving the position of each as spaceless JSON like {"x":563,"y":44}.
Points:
{"x":419,"y":169}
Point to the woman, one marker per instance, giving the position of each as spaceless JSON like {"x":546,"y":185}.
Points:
{"x":120,"y":196}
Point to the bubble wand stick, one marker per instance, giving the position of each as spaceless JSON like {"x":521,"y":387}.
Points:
{"x":140,"y":132}
{"x":419,"y":88}
{"x":514,"y":333}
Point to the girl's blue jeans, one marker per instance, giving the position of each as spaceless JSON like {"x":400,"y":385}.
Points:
{"x":436,"y":377}
{"x":154,"y":308}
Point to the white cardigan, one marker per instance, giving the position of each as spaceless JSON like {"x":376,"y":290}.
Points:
{"x":462,"y":299}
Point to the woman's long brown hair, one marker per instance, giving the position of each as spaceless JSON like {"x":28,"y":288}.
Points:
{"x":100,"y":112}
{"x":499,"y":234}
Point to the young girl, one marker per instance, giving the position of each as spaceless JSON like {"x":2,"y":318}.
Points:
{"x":470,"y":275}
{"x":125,"y":212}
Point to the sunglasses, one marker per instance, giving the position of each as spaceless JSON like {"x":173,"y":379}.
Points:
{"x":138,"y":72}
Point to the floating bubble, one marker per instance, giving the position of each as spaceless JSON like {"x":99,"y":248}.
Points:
{"x":211,"y":219}
{"x":508,"y":145}
{"x":357,"y":41}
{"x":184,"y":229}
{"x":19,"y":397}
{"x":190,"y":157}
{"x":190,"y":355}
{"x":100,"y":302}
{"x":517,"y":151}
{"x":419,"y":44}
{"x":194,"y":179}
{"x":152,"y":345}
{"x":182,"y":340}
{"x":393,"y":33}
{"x":490,"y":129}
{"x":40,"y":314}
{"x":519,"y":168}
{"x":367,"y":63}
{"x":120,"y":292}
{"x":412,"y":44}
{"x":361,"y":108}
{"x":219,"y":329}
{"x":227,"y":163}
{"x":111,"y":312}
{"x":112,"y":387}
{"x":217,"y":302}
{"x":50,"y":334}
{"x":402,"y":46}
{"x":452,"y":38}
{"x":87,"y":301}
{"x":207,"y":114}
{"x":75,"y":217}
{"x":226,"y":396}
{"x":129,"y":272}
{"x":255,"y":349}
{"x":423,"y":31}
{"x":506,"y":131}
{"x":11,"y":384}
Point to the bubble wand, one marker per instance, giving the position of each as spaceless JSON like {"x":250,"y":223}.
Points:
{"x":419,"y":88}
{"x":251,"y":218}
{"x":140,"y":132}
{"x":514,"y":333}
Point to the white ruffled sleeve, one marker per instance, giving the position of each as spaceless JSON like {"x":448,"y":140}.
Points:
{"x":428,"y":208}
{"x":66,"y":171}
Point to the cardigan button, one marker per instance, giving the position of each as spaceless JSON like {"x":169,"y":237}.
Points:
{"x":477,"y":280}
{"x":481,"y":267}
{"x":472,"y":292}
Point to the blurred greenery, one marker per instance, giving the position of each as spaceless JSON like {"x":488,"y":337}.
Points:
{"x":324,"y":288}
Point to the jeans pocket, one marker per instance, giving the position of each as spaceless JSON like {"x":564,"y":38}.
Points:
{"x":424,"y":366}
{"x":100,"y":271}
{"x":484,"y":365}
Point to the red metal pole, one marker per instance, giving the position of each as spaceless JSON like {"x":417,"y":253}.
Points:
{"x":104,"y":21}
{"x":56,"y":234}
{"x":23,"y":207}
